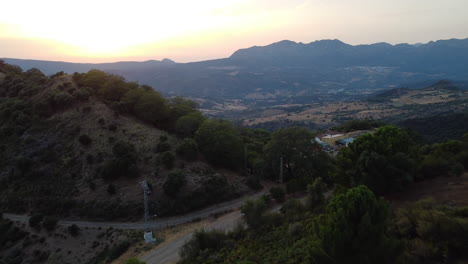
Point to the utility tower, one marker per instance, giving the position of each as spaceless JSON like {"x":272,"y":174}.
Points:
{"x":148,"y":236}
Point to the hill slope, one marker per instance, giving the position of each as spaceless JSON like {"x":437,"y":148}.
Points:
{"x":68,"y":150}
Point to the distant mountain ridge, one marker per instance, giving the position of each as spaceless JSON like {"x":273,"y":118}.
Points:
{"x":287,"y":69}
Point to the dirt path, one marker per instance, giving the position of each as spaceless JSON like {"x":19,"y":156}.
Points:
{"x":168,"y":252}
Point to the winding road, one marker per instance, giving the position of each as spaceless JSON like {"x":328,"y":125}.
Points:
{"x":159,"y":223}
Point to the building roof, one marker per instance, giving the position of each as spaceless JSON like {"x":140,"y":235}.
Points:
{"x":345,"y":141}
{"x":330,"y":134}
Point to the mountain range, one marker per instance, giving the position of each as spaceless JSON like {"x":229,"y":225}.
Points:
{"x":300,"y":72}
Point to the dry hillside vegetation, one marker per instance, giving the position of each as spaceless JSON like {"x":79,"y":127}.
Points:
{"x":68,"y":150}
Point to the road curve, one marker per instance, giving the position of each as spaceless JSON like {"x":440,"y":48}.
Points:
{"x":158,"y":223}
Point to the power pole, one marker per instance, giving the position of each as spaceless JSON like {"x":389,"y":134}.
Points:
{"x":148,"y":235}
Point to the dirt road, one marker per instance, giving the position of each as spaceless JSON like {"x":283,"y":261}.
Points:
{"x":158,"y":223}
{"x":168,"y":252}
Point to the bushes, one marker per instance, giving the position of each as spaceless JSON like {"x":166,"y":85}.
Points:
{"x":167,"y":159}
{"x":35,"y":220}
{"x":174,"y":182}
{"x":187,"y":125}
{"x":111,"y":189}
{"x":49,"y":223}
{"x":202,"y":244}
{"x":74,"y":230}
{"x":221,"y":143}
{"x":253,"y":212}
{"x":85,"y":140}
{"x":384,"y":161}
{"x":354,"y":229}
{"x":188,"y":149}
{"x":163,"y":147}
{"x":278,"y":194}
{"x":123,"y":163}
{"x":434,"y":233}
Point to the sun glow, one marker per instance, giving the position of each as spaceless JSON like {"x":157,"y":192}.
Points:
{"x":187,"y":30}
{"x":107,"y":28}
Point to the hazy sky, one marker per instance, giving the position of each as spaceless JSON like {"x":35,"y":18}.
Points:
{"x":189,"y":30}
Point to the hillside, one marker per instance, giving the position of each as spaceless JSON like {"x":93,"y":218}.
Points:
{"x":286,"y":71}
{"x":70,"y":147}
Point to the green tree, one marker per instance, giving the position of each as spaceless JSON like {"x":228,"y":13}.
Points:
{"x":74,"y":230}
{"x":201,"y":245}
{"x":188,"y":124}
{"x":302,"y":157}
{"x":188,"y":149}
{"x":316,"y":192}
{"x":35,"y":220}
{"x":167,"y":159}
{"x":49,"y":223}
{"x":253,"y":212}
{"x":278,"y":194}
{"x":382,"y":160}
{"x":220,"y":143}
{"x":123,"y":163}
{"x":174,"y":182}
{"x":355,"y":229}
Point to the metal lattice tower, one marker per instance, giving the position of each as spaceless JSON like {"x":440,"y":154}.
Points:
{"x":146,"y":193}
{"x":148,"y":236}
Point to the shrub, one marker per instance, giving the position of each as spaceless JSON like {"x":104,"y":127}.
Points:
{"x":74,"y":230}
{"x":188,"y":150}
{"x":253,"y":212}
{"x":163,"y":146}
{"x":117,"y":250}
{"x":85,"y":140}
{"x":167,"y":159}
{"x":35,"y":220}
{"x":201,"y":243}
{"x":253,"y":181}
{"x":173,"y":183}
{"x":278,"y":194}
{"x":49,"y":223}
{"x":111,"y":189}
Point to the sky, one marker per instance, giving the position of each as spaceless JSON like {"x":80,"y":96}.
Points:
{"x":188,"y":30}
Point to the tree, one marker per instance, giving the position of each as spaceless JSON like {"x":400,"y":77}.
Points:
{"x":202,"y":244}
{"x":253,"y":212}
{"x":179,"y":106}
{"x":174,"y":182}
{"x":355,"y":229}
{"x":35,"y":219}
{"x":188,"y":124}
{"x":74,"y":230}
{"x":383,"y":161}
{"x":316,"y":193}
{"x":49,"y":223}
{"x":302,"y":157}
{"x":221,"y":143}
{"x":167,"y":159}
{"x":278,"y":194}
{"x":188,"y":149}
{"x":123,"y":163}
